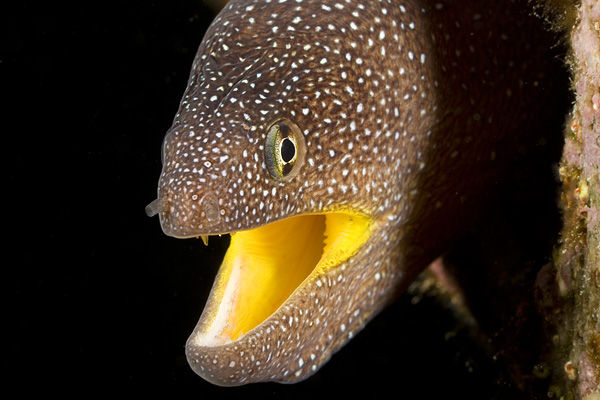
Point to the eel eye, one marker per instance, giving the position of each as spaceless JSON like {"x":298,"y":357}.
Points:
{"x":284,"y":150}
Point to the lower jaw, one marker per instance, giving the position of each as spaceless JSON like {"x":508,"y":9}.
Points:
{"x":263,"y":267}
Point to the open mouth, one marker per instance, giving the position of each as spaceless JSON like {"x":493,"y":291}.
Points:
{"x":264,"y":266}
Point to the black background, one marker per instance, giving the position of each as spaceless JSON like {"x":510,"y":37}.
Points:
{"x":97,"y":298}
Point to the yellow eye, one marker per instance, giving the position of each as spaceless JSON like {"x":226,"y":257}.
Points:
{"x":284,"y":150}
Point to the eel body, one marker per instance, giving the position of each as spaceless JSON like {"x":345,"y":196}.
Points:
{"x":346,"y":143}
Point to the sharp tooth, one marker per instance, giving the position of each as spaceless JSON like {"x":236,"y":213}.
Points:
{"x":204,"y":239}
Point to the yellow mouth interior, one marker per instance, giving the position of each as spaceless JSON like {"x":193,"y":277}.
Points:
{"x":264,"y":266}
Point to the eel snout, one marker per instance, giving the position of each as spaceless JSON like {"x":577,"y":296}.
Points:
{"x":185,"y":215}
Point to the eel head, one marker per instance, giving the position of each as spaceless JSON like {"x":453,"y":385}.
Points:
{"x":287,"y":140}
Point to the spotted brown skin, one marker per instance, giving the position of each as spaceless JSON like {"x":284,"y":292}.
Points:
{"x":409,"y":111}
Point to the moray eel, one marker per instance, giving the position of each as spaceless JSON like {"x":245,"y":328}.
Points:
{"x":344,"y":144}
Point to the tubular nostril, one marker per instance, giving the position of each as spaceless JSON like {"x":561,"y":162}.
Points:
{"x":211,"y":209}
{"x":154,"y":207}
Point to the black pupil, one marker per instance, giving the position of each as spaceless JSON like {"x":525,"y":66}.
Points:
{"x":288,"y":150}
